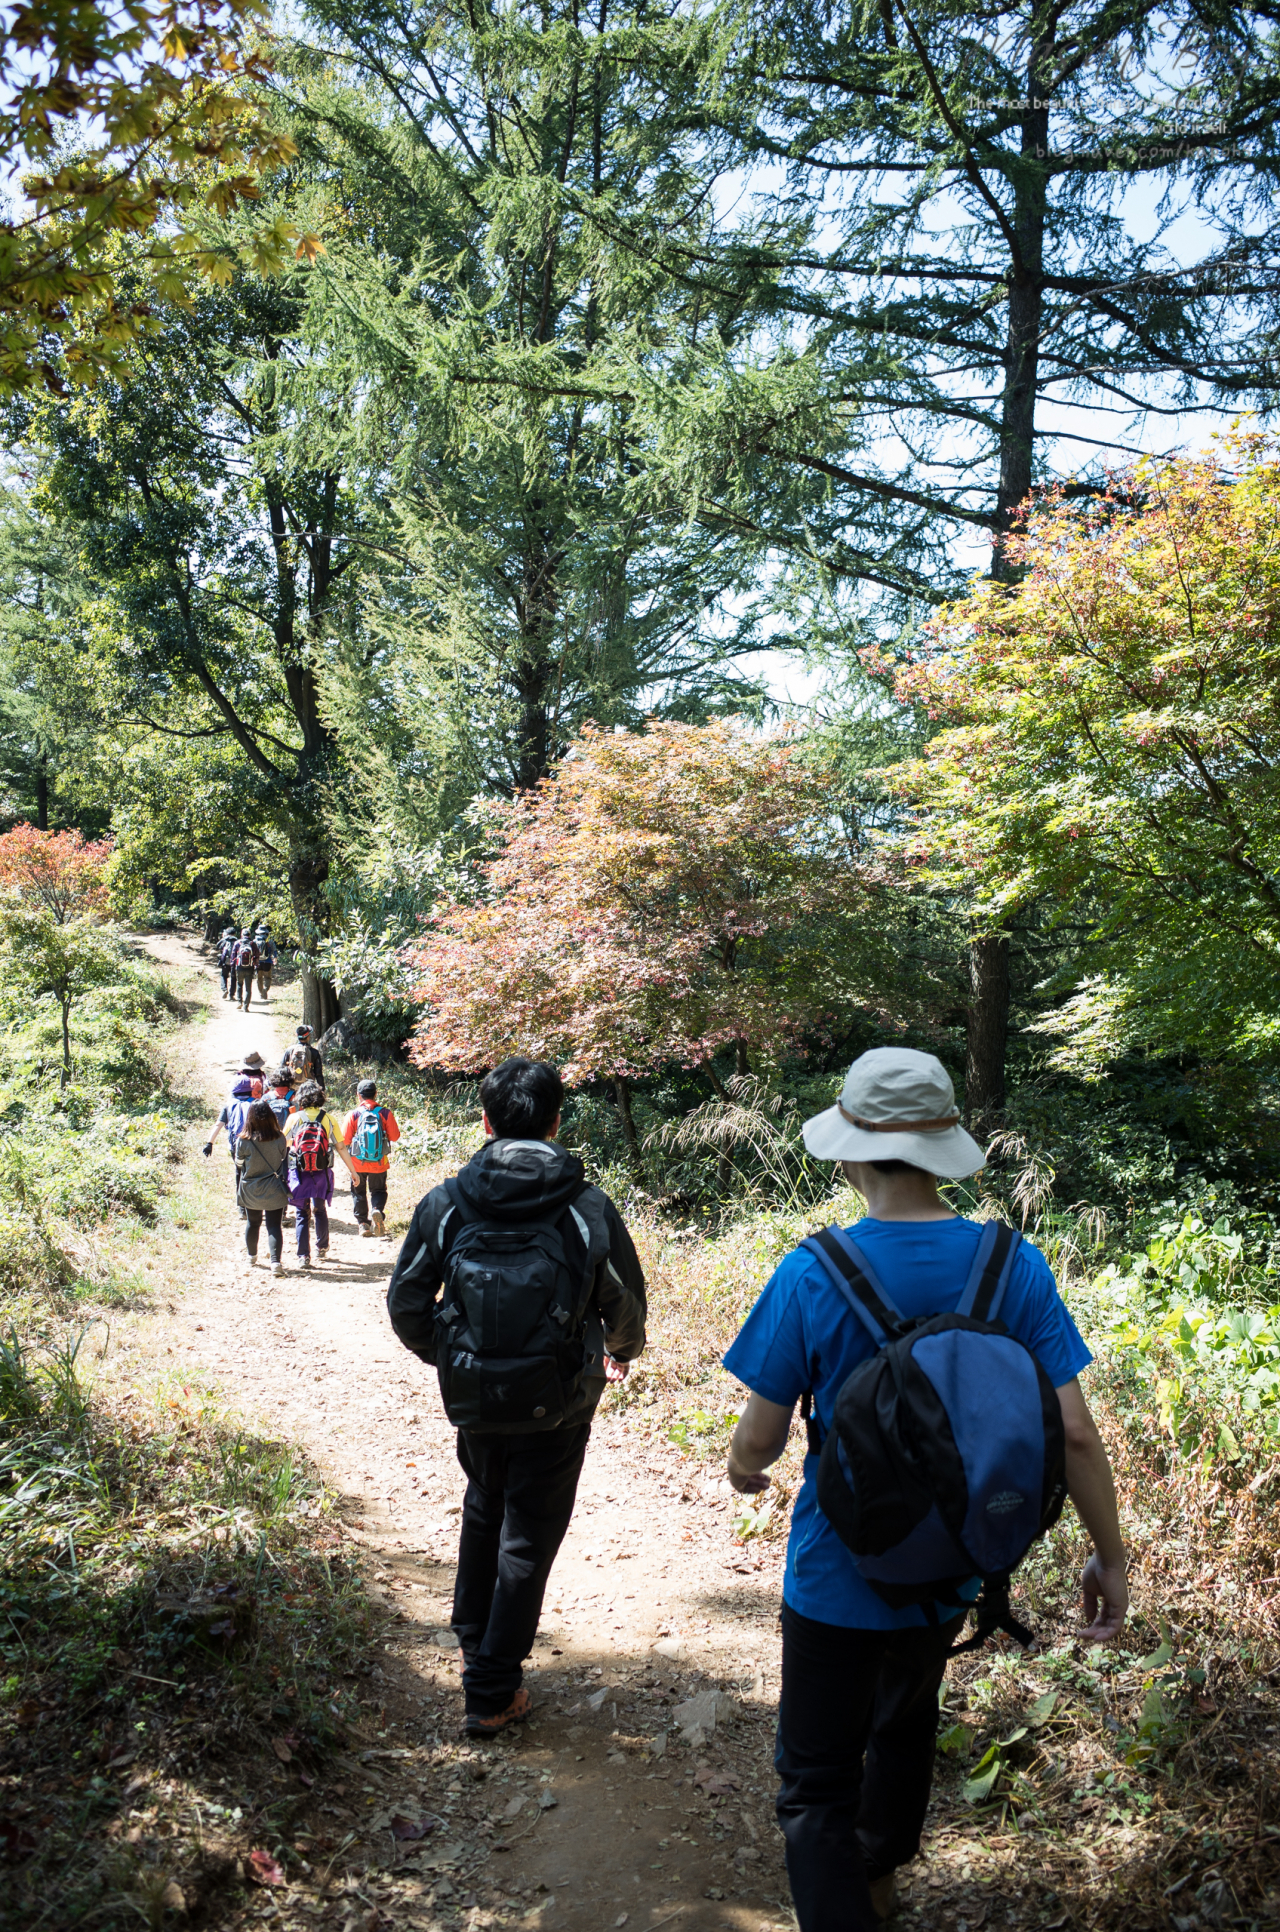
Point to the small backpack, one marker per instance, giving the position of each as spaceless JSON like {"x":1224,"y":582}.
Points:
{"x":946,"y":1458}
{"x":370,"y":1142}
{"x":510,"y":1324}
{"x":311,"y":1148}
{"x":299,"y":1062}
{"x":246,"y":954}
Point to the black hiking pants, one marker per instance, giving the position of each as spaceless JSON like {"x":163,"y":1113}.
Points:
{"x":245,"y":994}
{"x":520,"y":1493}
{"x":366,"y":1188}
{"x":857,"y":1724}
{"x":253,"y":1219}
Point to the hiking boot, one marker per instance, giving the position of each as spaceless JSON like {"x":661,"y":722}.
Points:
{"x":322,"y":1254}
{"x":306,"y":1261}
{"x":516,"y":1712}
{"x":365,"y":1229}
{"x":379,"y":1225}
{"x":277,"y":1269}
{"x":884,"y":1896}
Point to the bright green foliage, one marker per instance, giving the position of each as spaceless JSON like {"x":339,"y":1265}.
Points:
{"x":512,"y":283}
{"x":210,"y":558}
{"x":1193,"y":1334}
{"x":63,"y":959}
{"x":1110,"y":730}
{"x":139,"y":119}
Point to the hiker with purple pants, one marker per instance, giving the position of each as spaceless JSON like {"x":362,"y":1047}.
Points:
{"x":314,"y":1137}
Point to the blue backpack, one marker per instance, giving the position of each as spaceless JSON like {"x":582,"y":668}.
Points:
{"x":371,"y":1140}
{"x":946,"y":1458}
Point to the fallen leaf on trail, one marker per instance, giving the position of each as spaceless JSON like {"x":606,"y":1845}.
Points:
{"x":1205,"y":1705}
{"x":307,"y":1778}
{"x":407,"y":1831}
{"x":621,"y":1918}
{"x":516,"y":1806}
{"x":716,"y":1784}
{"x":281,"y":1750}
{"x":173,"y":1898}
{"x":262,"y":1868}
{"x":546,"y":1800}
{"x":713,"y":1891}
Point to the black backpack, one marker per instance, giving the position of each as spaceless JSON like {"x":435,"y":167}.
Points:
{"x":946,"y":1457}
{"x":510,"y":1324}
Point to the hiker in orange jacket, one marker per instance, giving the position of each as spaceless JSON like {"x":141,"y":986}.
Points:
{"x":369,"y":1131}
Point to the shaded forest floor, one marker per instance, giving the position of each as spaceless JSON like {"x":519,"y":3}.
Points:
{"x":257,"y":1719}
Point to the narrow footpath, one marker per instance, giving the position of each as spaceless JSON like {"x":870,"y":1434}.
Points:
{"x":655,"y":1671}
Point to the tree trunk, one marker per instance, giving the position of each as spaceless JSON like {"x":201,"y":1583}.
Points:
{"x":308,"y":871}
{"x":987,"y":1030}
{"x":66,"y":1042}
{"x":42,"y":793}
{"x":622,"y":1094}
{"x":533,"y":665}
{"x":988,"y":1017}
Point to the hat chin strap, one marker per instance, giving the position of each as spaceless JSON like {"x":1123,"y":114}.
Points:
{"x":898,"y":1126}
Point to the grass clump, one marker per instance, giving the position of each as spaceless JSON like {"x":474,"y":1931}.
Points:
{"x":179,"y":1633}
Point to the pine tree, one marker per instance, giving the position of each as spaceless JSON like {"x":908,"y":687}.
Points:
{"x":972,"y":261}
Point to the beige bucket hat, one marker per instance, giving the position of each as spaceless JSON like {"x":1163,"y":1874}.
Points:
{"x":896,"y":1105}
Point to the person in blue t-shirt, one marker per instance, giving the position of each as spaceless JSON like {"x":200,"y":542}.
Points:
{"x":858,"y":1712}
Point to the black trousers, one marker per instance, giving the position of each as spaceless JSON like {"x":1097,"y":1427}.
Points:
{"x":245,"y":993}
{"x":368,"y":1187}
{"x":857,"y":1724}
{"x":275,"y":1237}
{"x":520,"y":1494}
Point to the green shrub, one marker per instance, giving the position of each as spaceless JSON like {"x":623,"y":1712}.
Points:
{"x":1192,"y":1328}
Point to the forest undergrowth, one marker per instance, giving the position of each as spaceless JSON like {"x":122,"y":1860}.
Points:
{"x":178,"y":1613}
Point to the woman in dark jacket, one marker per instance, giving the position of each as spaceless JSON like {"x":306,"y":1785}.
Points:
{"x":262,"y":1183}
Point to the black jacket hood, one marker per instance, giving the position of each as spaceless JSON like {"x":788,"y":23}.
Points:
{"x":508,"y":1180}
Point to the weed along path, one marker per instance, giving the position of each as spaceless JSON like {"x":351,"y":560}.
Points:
{"x":641,"y":1794}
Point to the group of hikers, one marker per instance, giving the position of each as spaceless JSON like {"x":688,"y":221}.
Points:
{"x":935,"y":1366}
{"x":285,"y":1144}
{"x":933,"y":1361}
{"x":244,"y":956}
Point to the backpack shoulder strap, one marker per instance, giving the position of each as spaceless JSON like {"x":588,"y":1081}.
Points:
{"x":989,"y":1275}
{"x":855,"y":1278}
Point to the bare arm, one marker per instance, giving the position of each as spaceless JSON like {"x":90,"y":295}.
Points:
{"x":758,"y":1440}
{"x":1092,"y":1489}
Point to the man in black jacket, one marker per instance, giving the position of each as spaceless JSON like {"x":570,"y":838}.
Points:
{"x":521,"y":1485}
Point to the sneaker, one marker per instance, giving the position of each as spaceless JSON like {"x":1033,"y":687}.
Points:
{"x":884,"y":1896}
{"x":277,"y":1269}
{"x":322,"y":1254}
{"x":365,"y":1229}
{"x":516,"y":1712}
{"x":379,"y":1225}
{"x":251,"y":1261}
{"x":306,"y":1261}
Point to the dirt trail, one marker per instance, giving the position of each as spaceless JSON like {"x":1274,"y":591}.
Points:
{"x":649,"y":1561}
